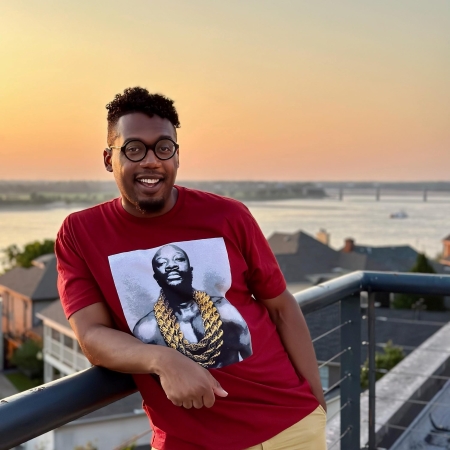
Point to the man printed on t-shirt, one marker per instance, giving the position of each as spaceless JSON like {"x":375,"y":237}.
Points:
{"x":206,"y":329}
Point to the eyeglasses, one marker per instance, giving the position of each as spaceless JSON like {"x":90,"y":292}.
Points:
{"x":136,"y":150}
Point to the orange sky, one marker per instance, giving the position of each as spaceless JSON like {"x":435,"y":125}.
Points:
{"x":293,"y":90}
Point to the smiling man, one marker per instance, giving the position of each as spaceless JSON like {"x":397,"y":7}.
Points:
{"x":267,"y":394}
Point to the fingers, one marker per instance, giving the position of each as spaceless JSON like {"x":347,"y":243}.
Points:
{"x":198,"y":403}
{"x":219,"y":390}
{"x":209,"y":399}
{"x":188,"y":404}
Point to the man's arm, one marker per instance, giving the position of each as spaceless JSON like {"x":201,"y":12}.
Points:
{"x":185,"y":382}
{"x":291,"y":326}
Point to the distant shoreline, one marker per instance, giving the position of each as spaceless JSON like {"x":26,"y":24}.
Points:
{"x":5,"y":207}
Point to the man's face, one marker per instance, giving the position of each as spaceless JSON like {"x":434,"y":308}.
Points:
{"x":146,"y":186}
{"x":172,"y":268}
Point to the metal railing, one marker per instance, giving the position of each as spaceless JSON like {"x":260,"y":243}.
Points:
{"x":34,"y":412}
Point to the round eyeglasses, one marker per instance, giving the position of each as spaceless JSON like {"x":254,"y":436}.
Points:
{"x":136,"y":150}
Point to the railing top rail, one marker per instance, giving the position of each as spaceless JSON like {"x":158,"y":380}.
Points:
{"x":325,"y":294}
{"x":34,"y":412}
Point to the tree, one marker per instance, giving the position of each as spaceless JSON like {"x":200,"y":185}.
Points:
{"x":15,"y":257}
{"x":409,"y":301}
{"x":28,"y":359}
{"x":384,"y":362}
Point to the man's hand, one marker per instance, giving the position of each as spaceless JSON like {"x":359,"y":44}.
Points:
{"x":186,"y":383}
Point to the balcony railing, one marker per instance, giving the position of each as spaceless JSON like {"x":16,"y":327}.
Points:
{"x":34,"y":412}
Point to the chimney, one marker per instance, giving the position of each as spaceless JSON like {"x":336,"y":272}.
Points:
{"x":323,"y":236}
{"x":349,"y":245}
{"x":446,"y":249}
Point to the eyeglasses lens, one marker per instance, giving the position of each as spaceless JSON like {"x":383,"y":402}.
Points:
{"x":135,"y":150}
{"x":164,"y":149}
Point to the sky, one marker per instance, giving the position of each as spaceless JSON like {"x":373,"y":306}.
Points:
{"x":265,"y":90}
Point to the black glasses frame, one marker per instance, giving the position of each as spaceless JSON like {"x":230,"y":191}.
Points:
{"x":147,"y":148}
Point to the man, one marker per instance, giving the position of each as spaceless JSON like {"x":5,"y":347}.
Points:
{"x":207,"y":329}
{"x":273,"y":397}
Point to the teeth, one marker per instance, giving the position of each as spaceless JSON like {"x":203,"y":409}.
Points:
{"x":148,"y":180}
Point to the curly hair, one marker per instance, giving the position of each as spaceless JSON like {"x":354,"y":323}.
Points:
{"x":137,"y":99}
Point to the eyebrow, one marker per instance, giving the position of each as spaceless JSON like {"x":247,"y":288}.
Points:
{"x":163,"y":136}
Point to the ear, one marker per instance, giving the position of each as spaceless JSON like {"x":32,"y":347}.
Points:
{"x":178,"y":158}
{"x":107,"y":159}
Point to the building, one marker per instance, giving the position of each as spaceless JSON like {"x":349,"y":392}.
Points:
{"x":25,"y":292}
{"x":114,"y":426}
{"x":304,"y":259}
{"x":445,"y":257}
{"x":61,"y":352}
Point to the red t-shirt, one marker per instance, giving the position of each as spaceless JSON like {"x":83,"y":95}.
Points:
{"x":107,"y":255}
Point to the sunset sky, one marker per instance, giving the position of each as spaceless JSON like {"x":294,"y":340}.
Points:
{"x":265,"y":90}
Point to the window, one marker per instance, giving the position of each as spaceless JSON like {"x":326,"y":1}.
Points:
{"x":56,"y":335}
{"x":68,"y":341}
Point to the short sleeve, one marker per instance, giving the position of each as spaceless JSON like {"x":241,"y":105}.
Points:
{"x":264,"y":277}
{"x":76,"y":286}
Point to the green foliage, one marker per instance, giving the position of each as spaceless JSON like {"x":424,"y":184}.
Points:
{"x":129,"y":446}
{"x":410,"y":301}
{"x":28,"y":359}
{"x":384,"y":361}
{"x":16,"y":257}
{"x":21,"y":382}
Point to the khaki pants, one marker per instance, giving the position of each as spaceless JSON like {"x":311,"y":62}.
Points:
{"x":308,"y":434}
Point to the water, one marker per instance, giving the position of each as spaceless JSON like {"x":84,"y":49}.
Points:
{"x":359,"y":217}
{"x":363,"y":219}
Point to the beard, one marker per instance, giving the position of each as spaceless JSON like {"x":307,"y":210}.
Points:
{"x":150,"y":206}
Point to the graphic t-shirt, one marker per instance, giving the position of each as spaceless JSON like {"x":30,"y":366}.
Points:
{"x":209,"y":251}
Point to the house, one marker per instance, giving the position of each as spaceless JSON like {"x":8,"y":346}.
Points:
{"x":398,"y":258}
{"x":61,"y":352}
{"x":304,"y":259}
{"x":300,"y":255}
{"x":25,"y":292}
{"x":445,"y":257}
{"x":115,"y":426}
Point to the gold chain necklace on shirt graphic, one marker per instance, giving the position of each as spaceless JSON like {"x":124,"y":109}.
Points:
{"x":174,"y":337}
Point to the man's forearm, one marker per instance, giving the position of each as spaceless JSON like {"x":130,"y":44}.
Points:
{"x":119,"y":351}
{"x":184,"y":382}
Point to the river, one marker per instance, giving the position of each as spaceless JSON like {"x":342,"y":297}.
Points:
{"x":359,"y":217}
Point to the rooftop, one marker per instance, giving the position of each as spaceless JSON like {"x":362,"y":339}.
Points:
{"x":37,"y":282}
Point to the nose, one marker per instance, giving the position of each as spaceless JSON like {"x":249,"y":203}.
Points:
{"x":171,"y":266}
{"x":150,"y":160}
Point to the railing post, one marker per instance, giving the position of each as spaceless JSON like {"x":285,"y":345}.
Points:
{"x":372,"y":370}
{"x":351,"y":369}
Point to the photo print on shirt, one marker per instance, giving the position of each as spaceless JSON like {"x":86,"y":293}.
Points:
{"x":175,"y":295}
